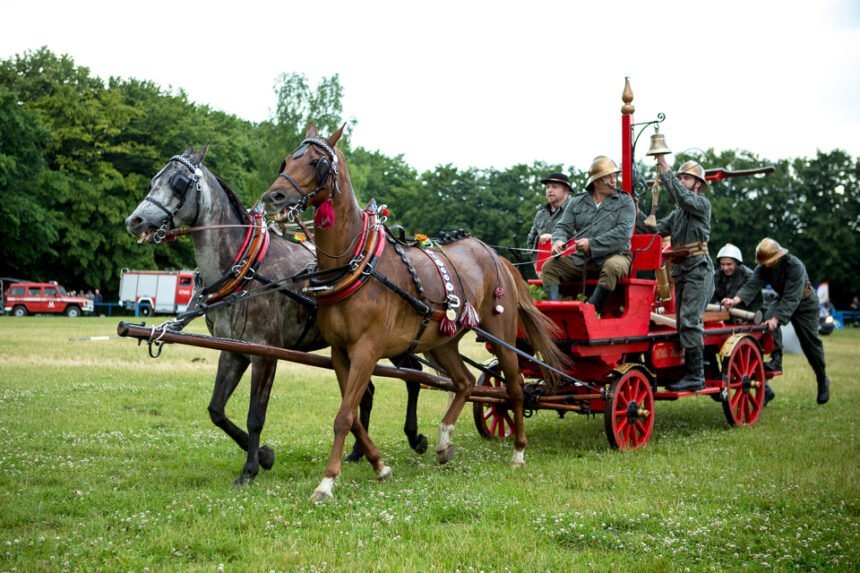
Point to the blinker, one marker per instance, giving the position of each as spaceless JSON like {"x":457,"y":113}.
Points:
{"x":179,"y":182}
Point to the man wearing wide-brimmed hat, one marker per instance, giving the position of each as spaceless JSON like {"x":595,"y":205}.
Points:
{"x":797,"y":303}
{"x":601,"y":221}
{"x":558,"y":189}
{"x":689,"y":226}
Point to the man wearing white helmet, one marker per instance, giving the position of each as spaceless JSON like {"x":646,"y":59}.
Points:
{"x":689,"y":226}
{"x":731,"y":276}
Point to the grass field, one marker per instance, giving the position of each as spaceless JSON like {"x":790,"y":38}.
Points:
{"x":110,"y":463}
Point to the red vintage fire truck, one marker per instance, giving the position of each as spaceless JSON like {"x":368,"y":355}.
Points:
{"x":150,"y":292}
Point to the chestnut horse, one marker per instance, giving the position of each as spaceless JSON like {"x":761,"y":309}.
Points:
{"x":185,"y":192}
{"x":380,"y":298}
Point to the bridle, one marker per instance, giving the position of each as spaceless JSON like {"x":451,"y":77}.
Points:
{"x":325,"y":168}
{"x":180,"y":184}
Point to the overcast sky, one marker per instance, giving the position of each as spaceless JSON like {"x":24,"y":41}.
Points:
{"x":492,"y":83}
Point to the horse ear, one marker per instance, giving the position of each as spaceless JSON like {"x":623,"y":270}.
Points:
{"x":312,"y":130}
{"x":201,"y":154}
{"x":188,"y":150}
{"x":335,"y":137}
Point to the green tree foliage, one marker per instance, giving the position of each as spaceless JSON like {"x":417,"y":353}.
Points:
{"x":77,"y":155}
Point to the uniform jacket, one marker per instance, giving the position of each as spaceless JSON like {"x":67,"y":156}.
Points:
{"x":728,"y":287}
{"x":690,"y":222}
{"x":789,"y":280}
{"x":544,"y":222}
{"x":607,"y":226}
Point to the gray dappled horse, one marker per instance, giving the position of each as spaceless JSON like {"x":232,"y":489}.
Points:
{"x":225,"y":236}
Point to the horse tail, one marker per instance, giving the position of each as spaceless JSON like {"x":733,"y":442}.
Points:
{"x":539,"y":329}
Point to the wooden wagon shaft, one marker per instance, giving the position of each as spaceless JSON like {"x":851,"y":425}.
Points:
{"x":145,"y":333}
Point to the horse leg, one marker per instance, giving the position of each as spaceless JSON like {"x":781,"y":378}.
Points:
{"x":364,"y":408}
{"x":262,"y":376}
{"x":230,"y":369}
{"x":417,"y":442}
{"x":514,"y":383}
{"x":353,"y":376}
{"x":448,"y":358}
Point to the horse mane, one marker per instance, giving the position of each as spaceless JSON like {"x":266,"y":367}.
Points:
{"x":234,"y":201}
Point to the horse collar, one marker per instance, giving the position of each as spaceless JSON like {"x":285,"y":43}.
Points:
{"x":361,"y":265}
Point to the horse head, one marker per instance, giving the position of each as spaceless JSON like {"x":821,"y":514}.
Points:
{"x":173,"y":198}
{"x":308,"y":176}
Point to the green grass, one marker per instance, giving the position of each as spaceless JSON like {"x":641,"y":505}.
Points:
{"x":110,"y":463}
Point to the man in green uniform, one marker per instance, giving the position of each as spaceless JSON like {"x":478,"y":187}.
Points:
{"x":558,"y":189}
{"x":602,"y":222}
{"x":689,"y":226}
{"x":731,"y":276}
{"x":728,"y":280}
{"x":797,"y":303}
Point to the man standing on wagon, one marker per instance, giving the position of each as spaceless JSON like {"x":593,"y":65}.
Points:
{"x":602,"y":222}
{"x":797,"y":303}
{"x":558,"y":189}
{"x":689,"y":226}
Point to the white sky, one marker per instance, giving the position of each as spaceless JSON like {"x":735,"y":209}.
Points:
{"x":492,"y":83}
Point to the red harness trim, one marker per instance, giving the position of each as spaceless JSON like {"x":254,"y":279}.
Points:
{"x":372,"y":253}
{"x":257,"y":242}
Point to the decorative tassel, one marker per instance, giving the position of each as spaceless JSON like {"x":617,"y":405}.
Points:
{"x":324,"y":216}
{"x":499,"y":309}
{"x":447,"y":327}
{"x":469,"y":319}
{"x":500,"y":292}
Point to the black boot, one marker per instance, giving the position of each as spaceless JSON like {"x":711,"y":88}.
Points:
{"x":775,"y":362}
{"x":694,"y":379}
{"x":823,"y":390}
{"x":598,"y":298}
{"x":769,"y":394}
{"x":553,"y":292}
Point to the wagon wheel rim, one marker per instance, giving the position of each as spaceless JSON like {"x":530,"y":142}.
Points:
{"x":629,"y":414}
{"x":492,"y":420}
{"x":744,"y":384}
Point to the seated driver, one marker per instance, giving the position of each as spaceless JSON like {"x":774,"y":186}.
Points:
{"x":602,"y":222}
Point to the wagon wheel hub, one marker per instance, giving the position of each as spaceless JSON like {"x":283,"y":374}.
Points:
{"x":632,"y":411}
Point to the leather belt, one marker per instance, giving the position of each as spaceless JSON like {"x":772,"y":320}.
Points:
{"x":686,"y":251}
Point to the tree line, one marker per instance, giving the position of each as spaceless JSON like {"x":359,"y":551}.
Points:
{"x":77,"y":154}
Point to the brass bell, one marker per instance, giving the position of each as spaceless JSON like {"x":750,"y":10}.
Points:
{"x":658,"y":145}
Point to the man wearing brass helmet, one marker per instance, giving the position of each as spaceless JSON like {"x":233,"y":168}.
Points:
{"x":602,"y":222}
{"x":557,"y":188}
{"x":797,"y":303}
{"x":689,"y":226}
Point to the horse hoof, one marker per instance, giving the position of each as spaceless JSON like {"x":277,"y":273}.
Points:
{"x":445,"y":456}
{"x":518,"y":460}
{"x":320,"y":497}
{"x":420,"y":444}
{"x":243,"y":480}
{"x":266,"y":455}
{"x":518,"y":464}
{"x":384,"y":474}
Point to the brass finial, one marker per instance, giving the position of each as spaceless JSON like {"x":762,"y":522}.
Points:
{"x":627,"y":98}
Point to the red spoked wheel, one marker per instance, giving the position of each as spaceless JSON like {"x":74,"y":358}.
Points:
{"x":743,"y":373}
{"x":629,"y":414}
{"x":492,"y":420}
